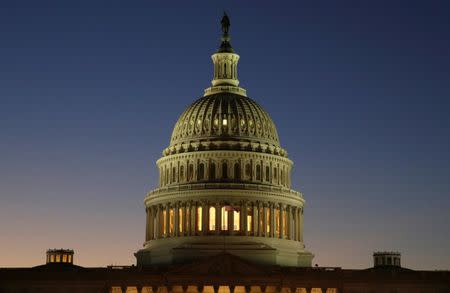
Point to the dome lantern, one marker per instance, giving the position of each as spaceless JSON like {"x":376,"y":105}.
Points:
{"x":225,"y":62}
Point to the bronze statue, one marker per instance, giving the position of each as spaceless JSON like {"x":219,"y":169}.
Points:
{"x":225,"y":23}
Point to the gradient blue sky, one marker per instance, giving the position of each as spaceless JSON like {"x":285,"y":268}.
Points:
{"x":359,"y":91}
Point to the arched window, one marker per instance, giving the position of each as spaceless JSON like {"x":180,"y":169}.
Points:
{"x":164,"y":222}
{"x":181,"y":173}
{"x":258,"y":172}
{"x":212,"y":219}
{"x":171,"y":222}
{"x":174,"y":174}
{"x":261,"y":220}
{"x":275,"y":173}
{"x":249,"y":220}
{"x":248,"y":171}
{"x":237,"y":171}
{"x":167,"y":176}
{"x":267,"y":173}
{"x":224,"y":170}
{"x":277,"y":222}
{"x":236,"y":220}
{"x":190,"y":172}
{"x":282,"y":177}
{"x":225,"y":70}
{"x":224,"y":220}
{"x":180,"y":222}
{"x":201,"y":171}
{"x":212,"y":171}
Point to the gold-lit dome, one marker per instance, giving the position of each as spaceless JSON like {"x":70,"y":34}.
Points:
{"x":224,"y":117}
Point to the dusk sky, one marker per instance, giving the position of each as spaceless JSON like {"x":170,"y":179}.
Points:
{"x":359,"y":92}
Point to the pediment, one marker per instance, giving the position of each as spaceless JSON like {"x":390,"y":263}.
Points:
{"x":222,"y":264}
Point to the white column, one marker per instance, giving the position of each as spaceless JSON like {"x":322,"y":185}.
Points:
{"x":218,"y":218}
{"x":176,"y":220}
{"x":255,"y":218}
{"x":157,"y":222}
{"x":288,"y":221}
{"x":147,"y":224}
{"x":230,"y":222}
{"x":281,"y":221}
{"x":183,"y":219}
{"x":167,"y":220}
{"x":205,"y":217}
{"x":244,"y":216}
{"x":264,"y":228}
{"x":301,"y":224}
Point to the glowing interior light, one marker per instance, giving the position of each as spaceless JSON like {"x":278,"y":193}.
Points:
{"x":224,"y":122}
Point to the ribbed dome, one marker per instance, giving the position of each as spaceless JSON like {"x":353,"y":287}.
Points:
{"x":225,"y":117}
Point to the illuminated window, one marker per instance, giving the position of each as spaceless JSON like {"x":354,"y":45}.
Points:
{"x":171,"y":220}
{"x":277,"y":222}
{"x":236,"y":220}
{"x":212,"y":171}
{"x":52,"y":258}
{"x":268,"y":221}
{"x":224,"y":122}
{"x":69,"y":258}
{"x":258,"y":172}
{"x":64,"y":258}
{"x":58,"y":258}
{"x":180,"y":220}
{"x":284,"y":218}
{"x":164,"y":222}
{"x":188,"y":213}
{"x":249,"y":220}
{"x":224,"y":219}
{"x":199,"y":219}
{"x":201,"y":171}
{"x":212,"y":219}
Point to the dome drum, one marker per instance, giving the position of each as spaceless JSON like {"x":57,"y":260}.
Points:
{"x":224,"y":166}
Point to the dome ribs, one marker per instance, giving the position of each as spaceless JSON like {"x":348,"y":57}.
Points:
{"x":224,"y":121}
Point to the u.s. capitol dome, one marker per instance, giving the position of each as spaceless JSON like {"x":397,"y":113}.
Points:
{"x":224,"y":184}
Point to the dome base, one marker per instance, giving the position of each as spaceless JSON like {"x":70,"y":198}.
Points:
{"x":260,"y":250}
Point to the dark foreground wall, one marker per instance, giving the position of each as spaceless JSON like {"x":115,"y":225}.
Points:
{"x":221,"y":274}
